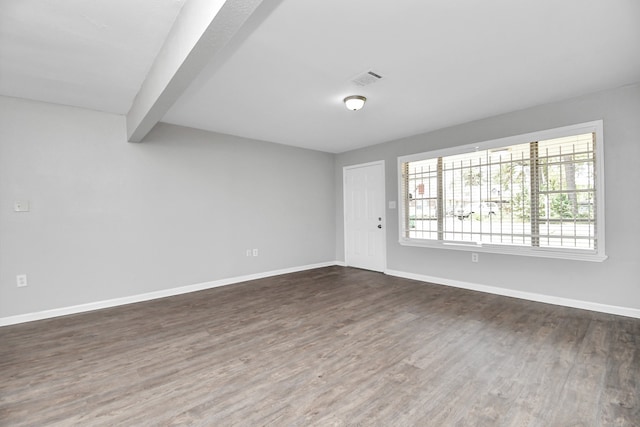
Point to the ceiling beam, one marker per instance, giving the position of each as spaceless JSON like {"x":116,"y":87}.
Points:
{"x":204,"y":31}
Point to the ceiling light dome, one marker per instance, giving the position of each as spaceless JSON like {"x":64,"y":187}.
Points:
{"x":354,"y":102}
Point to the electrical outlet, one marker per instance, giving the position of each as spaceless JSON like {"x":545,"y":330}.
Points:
{"x":248,"y":252}
{"x":255,"y":252}
{"x":21,"y":206}
{"x":474,"y":257}
{"x":21,"y":280}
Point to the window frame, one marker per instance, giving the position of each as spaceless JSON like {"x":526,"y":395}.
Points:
{"x":597,"y":255}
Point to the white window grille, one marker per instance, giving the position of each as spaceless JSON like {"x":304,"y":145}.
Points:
{"x":538,"y":194}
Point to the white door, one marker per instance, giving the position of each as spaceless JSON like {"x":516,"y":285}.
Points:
{"x":364,"y":222}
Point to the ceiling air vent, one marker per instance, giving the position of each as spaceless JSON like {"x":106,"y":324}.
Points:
{"x":366,"y":78}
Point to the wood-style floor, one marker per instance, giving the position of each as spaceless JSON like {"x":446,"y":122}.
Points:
{"x":328,"y":347}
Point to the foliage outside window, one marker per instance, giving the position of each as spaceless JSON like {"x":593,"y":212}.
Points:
{"x":535,"y":194}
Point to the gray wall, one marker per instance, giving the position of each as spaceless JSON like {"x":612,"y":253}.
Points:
{"x":112,"y":219}
{"x":615,"y":281}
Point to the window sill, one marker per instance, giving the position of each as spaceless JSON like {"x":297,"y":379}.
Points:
{"x":591,"y":256}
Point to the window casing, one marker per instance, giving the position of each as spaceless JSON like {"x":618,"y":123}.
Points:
{"x":539,"y":194}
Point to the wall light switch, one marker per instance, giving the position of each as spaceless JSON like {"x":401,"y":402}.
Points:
{"x":21,"y":206}
{"x":21,"y":280}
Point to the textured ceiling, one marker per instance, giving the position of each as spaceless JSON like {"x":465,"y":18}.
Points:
{"x":92,"y":54}
{"x":442,"y":62}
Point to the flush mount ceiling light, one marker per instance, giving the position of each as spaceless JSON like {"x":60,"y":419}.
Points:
{"x":354,"y":102}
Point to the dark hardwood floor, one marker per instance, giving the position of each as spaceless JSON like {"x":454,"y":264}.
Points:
{"x":328,"y":347}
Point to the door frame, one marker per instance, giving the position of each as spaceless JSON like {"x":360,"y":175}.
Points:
{"x":384,"y":209}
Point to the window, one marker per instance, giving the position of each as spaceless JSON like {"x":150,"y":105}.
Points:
{"x":538,"y":194}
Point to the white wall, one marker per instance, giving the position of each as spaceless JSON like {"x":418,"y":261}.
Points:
{"x":615,"y":282}
{"x":111,"y":219}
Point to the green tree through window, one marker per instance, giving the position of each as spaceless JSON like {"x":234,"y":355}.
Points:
{"x":539,"y":194}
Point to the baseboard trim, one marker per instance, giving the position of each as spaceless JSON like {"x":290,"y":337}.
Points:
{"x":548,"y":299}
{"x":81,"y":308}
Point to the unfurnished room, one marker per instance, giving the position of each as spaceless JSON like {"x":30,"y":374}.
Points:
{"x":319,"y":213}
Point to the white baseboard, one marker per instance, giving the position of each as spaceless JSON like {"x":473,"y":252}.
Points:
{"x":63,"y":311}
{"x":567,"y":302}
